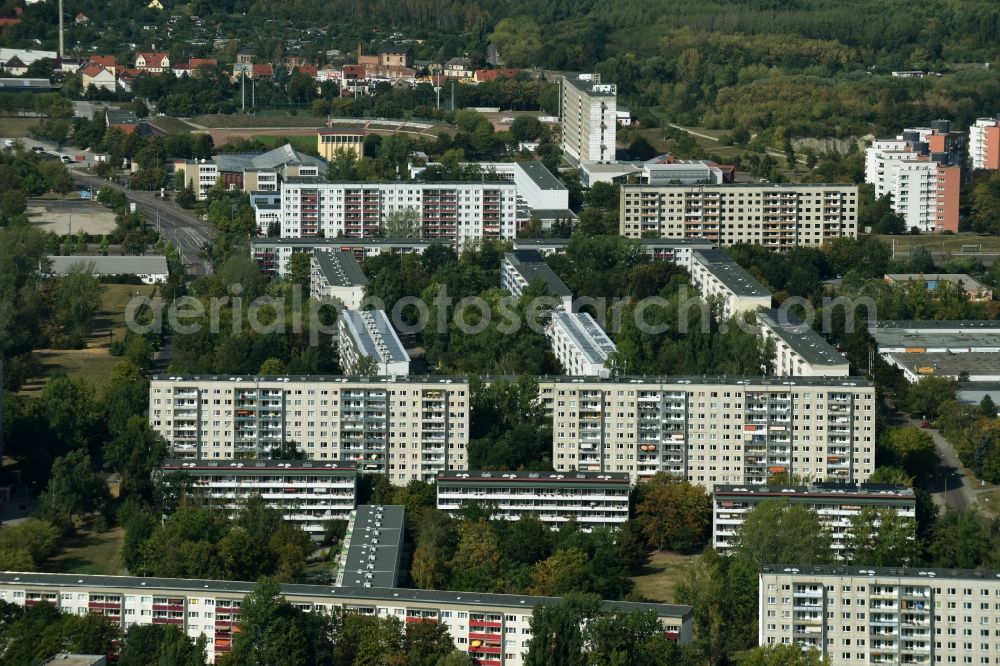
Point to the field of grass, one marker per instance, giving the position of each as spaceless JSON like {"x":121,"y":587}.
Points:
{"x":217,"y":121}
{"x":662,"y":571}
{"x":90,"y":553}
{"x":16,"y":127}
{"x":171,"y":125}
{"x":303,"y":144}
{"x":92,"y":362}
{"x":943,"y":244}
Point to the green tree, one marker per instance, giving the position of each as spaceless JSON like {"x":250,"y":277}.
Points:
{"x":77,"y":302}
{"x":892,"y":476}
{"x":674,"y":514}
{"x":923,"y":398}
{"x":402,"y":223}
{"x":630,"y":637}
{"x":556,"y":637}
{"x":476,"y":563}
{"x":272,"y":367}
{"x":74,"y":490}
{"x":912,"y":449}
{"x":133,"y":455}
{"x":880,"y":538}
{"x":161,"y":645}
{"x":777,"y":532}
{"x":782,"y":655}
{"x":559,"y":574}
{"x":300,"y":268}
{"x":961,"y":539}
{"x":518,"y":40}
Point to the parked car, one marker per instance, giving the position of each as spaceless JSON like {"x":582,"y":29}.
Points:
{"x":925,"y":424}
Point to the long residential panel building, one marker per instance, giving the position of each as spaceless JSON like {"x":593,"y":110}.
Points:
{"x":592,"y":500}
{"x":494,"y":629}
{"x":799,"y":351}
{"x":579,"y":344}
{"x":717,"y":276}
{"x":272,"y":254}
{"x":589,"y":118}
{"x":777,"y":216}
{"x":409,"y":428}
{"x":456,"y":213}
{"x":368,"y":334}
{"x":520,"y":268}
{"x":307,"y":492}
{"x":337,"y":276}
{"x":859,"y":616}
{"x":712,"y":430}
{"x":834,"y":504}
{"x":675,"y":250}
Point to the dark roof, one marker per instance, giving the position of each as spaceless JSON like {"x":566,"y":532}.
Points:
{"x":121,"y":117}
{"x":802,"y":339}
{"x":531,"y":266}
{"x":929,"y":573}
{"x":536,"y":477}
{"x":735,"y":278}
{"x":841,"y":490}
{"x":258,"y":465}
{"x":542,"y":177}
{"x":340,"y":269}
{"x":376,"y":544}
{"x":30,"y":85}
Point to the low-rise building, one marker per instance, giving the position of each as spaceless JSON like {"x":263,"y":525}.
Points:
{"x":833,"y":503}
{"x":712,"y":430}
{"x":338,"y":276}
{"x":857,"y":616}
{"x":261,"y":173}
{"x":334,"y":139}
{"x":126,"y":121}
{"x":799,"y":351}
{"x":99,"y":77}
{"x":717,"y":276}
{"x":973,"y":289}
{"x":494,"y":629}
{"x":959,"y":349}
{"x":150,"y":269}
{"x":592,"y":500}
{"x":368,"y":334}
{"x":152,"y":62}
{"x":308,"y":493}
{"x":968,"y":366}
{"x":520,"y":268}
{"x":579,"y":344}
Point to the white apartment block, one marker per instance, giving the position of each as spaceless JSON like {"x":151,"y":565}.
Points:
{"x":777,"y":216}
{"x":494,"y":629}
{"x":369,"y":334}
{"x":712,"y":430}
{"x":337,"y":276}
{"x":272,"y":254}
{"x":592,"y":500}
{"x":716,"y":276}
{"x":984,"y":143}
{"x":308,"y":493}
{"x":523,"y":267}
{"x":579,"y":344}
{"x":407,"y":428}
{"x":589,"y":118}
{"x":456,"y":213}
{"x":799,"y":351}
{"x":675,"y":250}
{"x":834,"y":504}
{"x":537,"y":187}
{"x":857,"y":617}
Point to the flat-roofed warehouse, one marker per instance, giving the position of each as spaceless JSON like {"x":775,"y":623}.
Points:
{"x":149,"y":269}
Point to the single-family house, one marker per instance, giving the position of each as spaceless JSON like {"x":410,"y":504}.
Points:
{"x":152,"y":62}
{"x":98,"y":76}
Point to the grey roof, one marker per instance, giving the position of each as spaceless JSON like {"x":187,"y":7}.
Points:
{"x":693,"y":243}
{"x":929,"y":573}
{"x":345,"y":242}
{"x":121,"y":117}
{"x":247,"y":466}
{"x":531,"y":266}
{"x":322,"y":593}
{"x":735,"y":278}
{"x":838,"y":490}
{"x":946,"y":334}
{"x":272,"y":159}
{"x":802,"y":339}
{"x":376,"y":546}
{"x":588,"y":337}
{"x":967,"y":282}
{"x":374,"y":335}
{"x":340,"y":269}
{"x":541,"y":176}
{"x":553,"y":213}
{"x":147,"y":265}
{"x":25,"y":84}
{"x":564,"y":478}
{"x":948,"y":364}
{"x":321,"y":379}
{"x":741,"y":186}
{"x":684,"y":380}
{"x":587,"y":86}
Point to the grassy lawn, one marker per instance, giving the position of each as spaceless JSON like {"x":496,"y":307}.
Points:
{"x":303,"y":144}
{"x":90,"y":553}
{"x":16,"y":127}
{"x":93,"y":362}
{"x":989,"y":502}
{"x":171,"y":125}
{"x":213,"y":121}
{"x":662,"y":571}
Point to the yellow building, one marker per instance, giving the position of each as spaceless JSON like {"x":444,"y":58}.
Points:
{"x":330,"y":140}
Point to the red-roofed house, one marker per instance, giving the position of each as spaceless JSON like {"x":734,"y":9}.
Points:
{"x":9,"y":21}
{"x":180,"y":69}
{"x":154,"y":63}
{"x":261,"y":70}
{"x":485,"y":75}
{"x":108,"y":62}
{"x":309,"y":70}
{"x":195,"y":63}
{"x":98,"y":76}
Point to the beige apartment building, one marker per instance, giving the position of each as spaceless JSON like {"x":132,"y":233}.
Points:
{"x":408,"y":428}
{"x":714,"y":430}
{"x":857,"y":616}
{"x":777,"y":216}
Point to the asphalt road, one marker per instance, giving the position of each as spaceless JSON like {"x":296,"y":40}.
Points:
{"x":188,"y":233}
{"x":952,"y":488}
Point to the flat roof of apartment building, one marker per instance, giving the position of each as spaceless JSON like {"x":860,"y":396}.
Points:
{"x":427,"y":185}
{"x":967,"y":282}
{"x":322,"y":593}
{"x":344,"y":242}
{"x":531,"y":265}
{"x":374,"y":335}
{"x":739,"y":186}
{"x":376,"y":544}
{"x":800,"y":338}
{"x":652,"y":380}
{"x":533,"y":478}
{"x":734,"y":277}
{"x":319,"y":379}
{"x":340,"y":269}
{"x":247,"y":466}
{"x":929,"y":573}
{"x":693,"y":243}
{"x":586,"y":335}
{"x":825,"y":490}
{"x":541,"y":176}
{"x":589,"y":86}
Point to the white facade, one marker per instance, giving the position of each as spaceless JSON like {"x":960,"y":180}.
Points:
{"x":834,"y":505}
{"x":494,"y":629}
{"x":856,"y":616}
{"x":589,"y":118}
{"x":923,"y":191}
{"x":777,"y":216}
{"x":713,"y":430}
{"x":717,"y":276}
{"x":368,"y":421}
{"x":337,"y":276}
{"x":592,"y":500}
{"x":457,"y":213}
{"x":984,"y":143}
{"x":522,"y":267}
{"x":798,"y":350}
{"x":369,"y":334}
{"x":272,"y":254}
{"x":308,"y":494}
{"x":579,"y":344}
